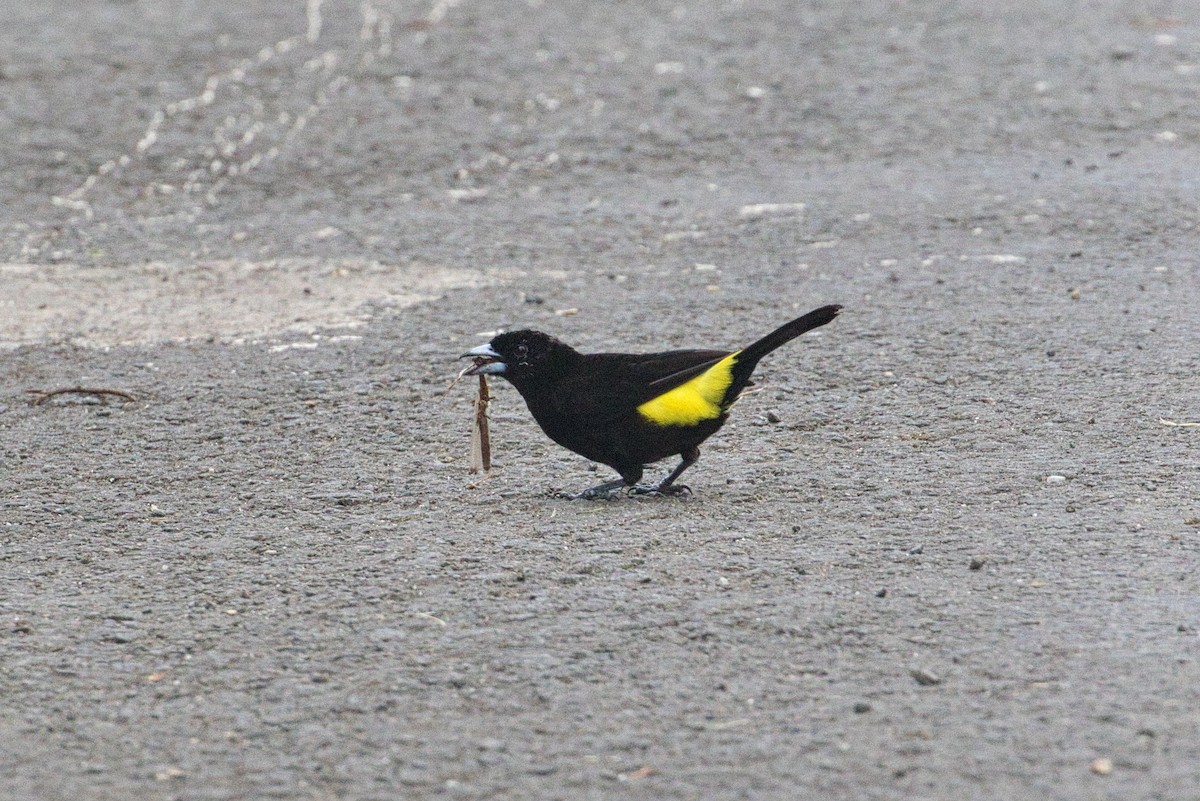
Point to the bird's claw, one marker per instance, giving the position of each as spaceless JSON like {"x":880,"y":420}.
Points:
{"x":588,"y":495}
{"x":606,"y":493}
{"x":669,"y":491}
{"x":593,"y":494}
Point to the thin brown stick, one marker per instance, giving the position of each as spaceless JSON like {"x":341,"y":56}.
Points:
{"x":457,"y":378}
{"x":42,"y":397}
{"x":481,"y":441}
{"x":485,"y":437}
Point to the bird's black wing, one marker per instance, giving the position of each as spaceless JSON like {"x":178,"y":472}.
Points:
{"x":614,"y":384}
{"x":695,"y":363}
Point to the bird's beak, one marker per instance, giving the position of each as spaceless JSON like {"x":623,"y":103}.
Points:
{"x":482,"y":367}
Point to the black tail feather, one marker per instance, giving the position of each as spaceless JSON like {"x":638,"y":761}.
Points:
{"x":748,"y":359}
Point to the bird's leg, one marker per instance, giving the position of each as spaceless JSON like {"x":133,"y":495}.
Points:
{"x":604,"y":490}
{"x":668,"y":486}
{"x":629,"y":477}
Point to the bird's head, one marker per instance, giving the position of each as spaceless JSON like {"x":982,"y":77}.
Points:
{"x":521,"y":355}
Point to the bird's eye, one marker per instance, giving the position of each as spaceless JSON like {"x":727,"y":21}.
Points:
{"x":522,"y":349}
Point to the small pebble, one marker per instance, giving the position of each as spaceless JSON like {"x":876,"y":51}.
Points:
{"x":467,"y":195}
{"x":924,"y":677}
{"x":862,"y":707}
{"x":977,"y":562}
{"x":1102,"y":766}
{"x":758,"y":210}
{"x":772,"y":417}
{"x":1055,"y":479}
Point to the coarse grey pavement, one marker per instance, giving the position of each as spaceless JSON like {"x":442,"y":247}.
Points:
{"x":948,"y":550}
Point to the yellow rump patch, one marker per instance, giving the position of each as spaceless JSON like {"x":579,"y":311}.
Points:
{"x":693,"y":401}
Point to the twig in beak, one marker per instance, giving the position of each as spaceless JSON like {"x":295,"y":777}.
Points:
{"x":481,"y":441}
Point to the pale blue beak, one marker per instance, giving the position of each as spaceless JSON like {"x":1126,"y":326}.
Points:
{"x":485,"y":352}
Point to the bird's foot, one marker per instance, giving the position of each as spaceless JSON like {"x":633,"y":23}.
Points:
{"x":603,"y":492}
{"x":615,"y":489}
{"x":588,"y":495}
{"x":671,"y":490}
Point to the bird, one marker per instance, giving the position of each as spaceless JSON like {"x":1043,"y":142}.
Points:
{"x":629,"y":410}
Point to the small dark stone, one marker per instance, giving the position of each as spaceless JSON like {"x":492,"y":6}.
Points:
{"x":772,"y":417}
{"x":862,"y":707}
{"x":119,"y":635}
{"x":977,"y":562}
{"x":882,"y":593}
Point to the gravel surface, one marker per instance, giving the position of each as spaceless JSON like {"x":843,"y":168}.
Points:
{"x":949,"y":550}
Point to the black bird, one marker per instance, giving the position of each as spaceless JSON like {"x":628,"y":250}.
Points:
{"x":627,"y":410}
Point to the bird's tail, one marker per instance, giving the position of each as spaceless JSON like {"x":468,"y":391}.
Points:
{"x":748,"y":358}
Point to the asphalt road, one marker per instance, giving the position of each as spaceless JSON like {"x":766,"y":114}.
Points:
{"x":962,"y":564}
